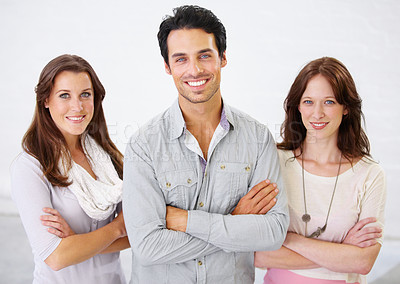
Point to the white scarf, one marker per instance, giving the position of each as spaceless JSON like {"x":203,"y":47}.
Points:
{"x":97,"y":197}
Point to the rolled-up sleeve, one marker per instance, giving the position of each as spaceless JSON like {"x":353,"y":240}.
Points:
{"x":243,"y":233}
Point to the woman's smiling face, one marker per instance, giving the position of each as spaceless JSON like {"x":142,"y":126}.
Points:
{"x":71,"y":103}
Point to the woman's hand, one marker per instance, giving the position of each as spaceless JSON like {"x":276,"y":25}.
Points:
{"x":56,"y":223}
{"x":120,"y":224}
{"x":362,"y":236}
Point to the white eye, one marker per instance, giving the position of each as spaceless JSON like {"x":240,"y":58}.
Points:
{"x":64,"y":96}
{"x":86,"y":95}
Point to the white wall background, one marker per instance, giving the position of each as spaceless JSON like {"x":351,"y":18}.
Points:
{"x":268,"y":43}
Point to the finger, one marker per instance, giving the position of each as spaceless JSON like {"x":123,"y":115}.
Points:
{"x":52,"y":224}
{"x":266,"y":191}
{"x":55,"y":232}
{"x":360,"y":224}
{"x":50,"y":218}
{"x":51,"y":211}
{"x":367,"y":230}
{"x":257,"y":188}
{"x":364,"y":231}
{"x":268,"y":207}
{"x":262,"y":202}
{"x":370,"y":236}
{"x":367,"y":243}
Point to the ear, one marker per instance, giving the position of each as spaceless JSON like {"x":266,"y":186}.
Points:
{"x":345,"y":111}
{"x":223,"y":60}
{"x":46,"y":103}
{"x":167,"y":69}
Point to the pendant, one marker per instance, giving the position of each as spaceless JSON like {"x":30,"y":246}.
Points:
{"x":306,"y":218}
{"x":318,"y":232}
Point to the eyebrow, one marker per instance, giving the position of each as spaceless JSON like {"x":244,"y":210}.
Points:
{"x":67,"y":91}
{"x":205,"y":50}
{"x":178,"y":54}
{"x":324,"y":98}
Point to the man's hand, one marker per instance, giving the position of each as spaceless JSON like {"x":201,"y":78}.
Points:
{"x":176,"y":219}
{"x":259,"y":200}
{"x":362,"y":236}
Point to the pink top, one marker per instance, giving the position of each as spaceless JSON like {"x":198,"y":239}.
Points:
{"x":282,"y":276}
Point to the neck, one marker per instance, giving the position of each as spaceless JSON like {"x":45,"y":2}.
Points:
{"x":202,"y":117}
{"x":73,"y":143}
{"x":325,"y":151}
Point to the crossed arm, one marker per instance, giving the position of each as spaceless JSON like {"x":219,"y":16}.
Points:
{"x":357,"y":253}
{"x":201,"y":233}
{"x":67,"y":248}
{"x":259,"y":200}
{"x":75,"y":248}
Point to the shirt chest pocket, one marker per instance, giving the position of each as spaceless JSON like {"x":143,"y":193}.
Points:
{"x":178,"y":187}
{"x":230,"y":184}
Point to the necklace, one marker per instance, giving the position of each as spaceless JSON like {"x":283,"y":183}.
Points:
{"x":306,"y":217}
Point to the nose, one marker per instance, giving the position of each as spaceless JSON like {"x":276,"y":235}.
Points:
{"x":76,"y":104}
{"x":318,"y":111}
{"x":195,"y":68}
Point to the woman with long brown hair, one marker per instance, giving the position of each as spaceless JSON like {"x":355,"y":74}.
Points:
{"x":336,"y":192}
{"x":71,"y":170}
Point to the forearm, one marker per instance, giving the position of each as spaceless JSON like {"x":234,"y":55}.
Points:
{"x":80,"y":247}
{"x":117,"y":245}
{"x":282,"y":258}
{"x":352,"y":259}
{"x":239,"y":233}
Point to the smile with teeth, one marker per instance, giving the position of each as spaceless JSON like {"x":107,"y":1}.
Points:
{"x":196,"y":83}
{"x":76,"y":118}
{"x":319,"y":124}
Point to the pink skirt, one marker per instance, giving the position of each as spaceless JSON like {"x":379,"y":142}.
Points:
{"x":283,"y":276}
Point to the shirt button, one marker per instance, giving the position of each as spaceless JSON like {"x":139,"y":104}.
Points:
{"x":199,"y":262}
{"x":168,"y":184}
{"x":222,"y":167}
{"x":247,"y":168}
{"x":201,"y":204}
{"x":189,"y":181}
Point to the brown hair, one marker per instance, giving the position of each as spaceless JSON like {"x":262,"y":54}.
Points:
{"x":45,"y":142}
{"x":352,"y":140}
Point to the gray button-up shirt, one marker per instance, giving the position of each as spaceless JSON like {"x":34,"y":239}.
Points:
{"x":164,"y":166}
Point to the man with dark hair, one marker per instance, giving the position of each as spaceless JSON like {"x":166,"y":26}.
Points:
{"x":189,"y":213}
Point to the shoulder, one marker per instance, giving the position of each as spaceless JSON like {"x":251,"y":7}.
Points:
{"x":25,"y":161}
{"x":242,"y":117}
{"x":369,"y":167}
{"x":369,"y":171}
{"x":285,"y":154}
{"x":286,"y":158}
{"x":26,"y":170}
{"x":159,"y":124}
{"x":244,"y":123}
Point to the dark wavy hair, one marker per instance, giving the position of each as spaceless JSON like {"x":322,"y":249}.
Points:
{"x":191,"y":17}
{"x":44,"y":140}
{"x":352,"y":140}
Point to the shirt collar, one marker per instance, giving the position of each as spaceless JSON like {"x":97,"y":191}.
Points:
{"x":177,"y":121}
{"x":178,"y":124}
